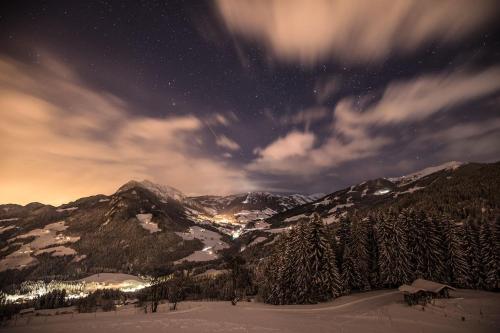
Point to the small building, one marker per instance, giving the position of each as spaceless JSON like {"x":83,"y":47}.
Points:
{"x":27,"y":311}
{"x":412,"y":295}
{"x":422,"y":291}
{"x":131,"y":301}
{"x":438,"y":290}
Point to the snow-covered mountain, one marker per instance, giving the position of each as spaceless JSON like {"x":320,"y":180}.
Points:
{"x":226,"y":213}
{"x":245,"y":208}
{"x":141,"y":227}
{"x":144,"y":226}
{"x":452,"y":189}
{"x":368,"y":194}
{"x":404,"y":180}
{"x":162,"y":191}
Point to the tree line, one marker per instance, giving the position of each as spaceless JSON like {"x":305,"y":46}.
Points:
{"x":314,"y":262}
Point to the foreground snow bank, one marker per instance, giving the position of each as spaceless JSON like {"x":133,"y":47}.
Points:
{"x":378,"y":311}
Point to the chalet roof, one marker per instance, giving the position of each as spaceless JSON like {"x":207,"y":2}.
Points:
{"x":409,"y":289}
{"x":430,"y":285}
{"x":28,"y":310}
{"x":423,"y":285}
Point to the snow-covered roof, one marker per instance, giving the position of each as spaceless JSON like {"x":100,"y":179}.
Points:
{"x":409,"y":289}
{"x":430,"y":285}
{"x":423,"y":285}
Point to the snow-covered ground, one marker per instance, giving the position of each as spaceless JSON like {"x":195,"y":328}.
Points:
{"x":6,"y":228}
{"x":9,"y":220}
{"x":257,"y":241}
{"x":378,"y":311}
{"x":80,"y":288}
{"x":245,"y":216}
{"x":211,"y":240}
{"x":146,"y":223}
{"x":278,"y":230}
{"x":342,"y":206}
{"x":295,"y":218}
{"x":123,"y":282}
{"x":382,"y":191}
{"x":410,"y":190}
{"x":164,"y":192}
{"x":404,"y":180}
{"x":69,"y":209}
{"x":50,"y":239}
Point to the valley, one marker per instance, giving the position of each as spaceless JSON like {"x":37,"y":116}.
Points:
{"x":145,"y":226}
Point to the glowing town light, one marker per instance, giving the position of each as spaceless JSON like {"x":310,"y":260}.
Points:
{"x":382,"y":191}
{"x":236,"y":233}
{"x":74,"y":289}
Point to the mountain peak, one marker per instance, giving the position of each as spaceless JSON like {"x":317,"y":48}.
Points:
{"x":451,"y":165}
{"x":162,"y":191}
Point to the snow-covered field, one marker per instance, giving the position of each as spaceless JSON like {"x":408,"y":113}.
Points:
{"x":378,"y":311}
{"x":82,"y":287}
{"x":123,"y":282}
{"x":245,"y":216}
{"x":50,"y":239}
{"x":210,"y":239}
{"x":146,"y":223}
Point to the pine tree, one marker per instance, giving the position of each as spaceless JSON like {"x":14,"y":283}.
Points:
{"x":425,"y":245}
{"x":496,"y":234}
{"x":489,"y":260}
{"x":300,"y":267}
{"x":325,"y":280}
{"x":373,"y":264}
{"x":417,"y":242}
{"x":278,"y":270}
{"x":435,"y":256}
{"x":342,"y":234}
{"x":393,"y":251}
{"x":348,"y":270}
{"x":355,"y":273}
{"x":472,"y":255}
{"x":455,"y":261}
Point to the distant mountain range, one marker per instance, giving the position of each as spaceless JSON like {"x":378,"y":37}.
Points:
{"x":142,"y":227}
{"x":145,"y":227}
{"x":372,"y":193}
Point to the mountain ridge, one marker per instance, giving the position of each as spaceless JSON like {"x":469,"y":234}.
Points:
{"x":136,"y":231}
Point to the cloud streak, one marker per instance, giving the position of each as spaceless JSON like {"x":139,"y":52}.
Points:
{"x":61,"y":140}
{"x":352,"y":30}
{"x":356,"y":129}
{"x":306,"y":116}
{"x":227,"y":143}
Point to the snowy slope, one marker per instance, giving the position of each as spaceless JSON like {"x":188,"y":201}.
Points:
{"x":366,"y":194}
{"x":147,"y":221}
{"x":162,"y":191}
{"x":404,"y":180}
{"x":258,"y":204}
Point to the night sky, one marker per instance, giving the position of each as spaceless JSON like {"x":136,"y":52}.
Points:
{"x":230,"y":96}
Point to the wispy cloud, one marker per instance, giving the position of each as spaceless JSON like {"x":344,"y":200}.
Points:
{"x":470,"y":141}
{"x":324,"y":89}
{"x":306,"y":116}
{"x":360,"y":131}
{"x":62,"y":139}
{"x":352,"y":30}
{"x":225,"y":142}
{"x":419,"y":98}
